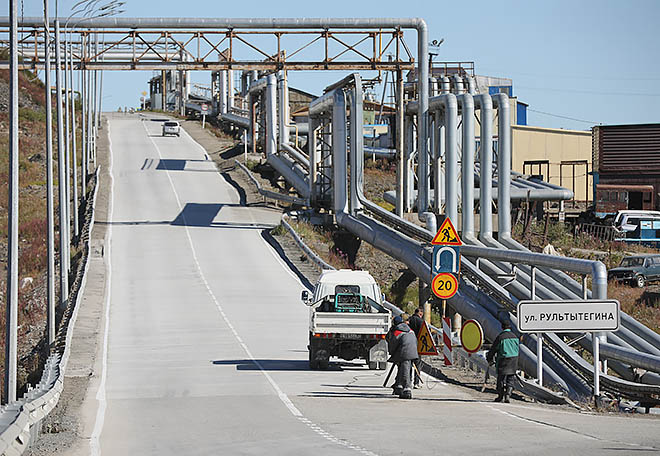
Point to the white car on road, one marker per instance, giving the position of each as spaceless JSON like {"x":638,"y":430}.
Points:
{"x":171,"y":128}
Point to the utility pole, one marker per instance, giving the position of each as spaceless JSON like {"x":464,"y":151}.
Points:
{"x":83,"y":117}
{"x":61,"y":163}
{"x":50,"y":206}
{"x":11,"y":321}
{"x":74,"y":155}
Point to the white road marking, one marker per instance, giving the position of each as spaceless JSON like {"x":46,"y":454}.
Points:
{"x":282,"y":396}
{"x":94,"y":441}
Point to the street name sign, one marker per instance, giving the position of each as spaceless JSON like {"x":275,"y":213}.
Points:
{"x":568,"y":316}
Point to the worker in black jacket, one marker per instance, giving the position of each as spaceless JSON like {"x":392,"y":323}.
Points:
{"x":505,"y":350}
{"x":416,"y":321}
{"x":402,"y":345}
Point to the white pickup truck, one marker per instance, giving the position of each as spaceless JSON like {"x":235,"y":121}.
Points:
{"x":347,"y":319}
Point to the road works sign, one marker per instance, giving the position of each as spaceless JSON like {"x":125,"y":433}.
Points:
{"x":568,"y":316}
{"x":425,"y":344}
{"x":472,"y":336}
{"x":444,"y":285}
{"x":447,"y":235}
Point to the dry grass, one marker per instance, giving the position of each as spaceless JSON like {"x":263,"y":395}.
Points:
{"x":32,"y":222}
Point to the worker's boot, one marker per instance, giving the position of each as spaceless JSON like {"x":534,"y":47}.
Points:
{"x":397,"y":390}
{"x":406,"y":394}
{"x":499,"y":397}
{"x":507,"y":394}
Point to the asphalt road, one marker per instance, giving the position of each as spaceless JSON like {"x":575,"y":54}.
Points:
{"x":204,"y":351}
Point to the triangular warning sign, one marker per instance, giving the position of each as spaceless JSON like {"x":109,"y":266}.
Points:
{"x":446,"y":235}
{"x":425,"y":344}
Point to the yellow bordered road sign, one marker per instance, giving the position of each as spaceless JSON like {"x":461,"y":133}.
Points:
{"x":425,"y":344}
{"x":444,"y":285}
{"x":447,"y":235}
{"x":472,"y":336}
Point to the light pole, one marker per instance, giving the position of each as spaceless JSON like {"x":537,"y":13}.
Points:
{"x":12,"y":248}
{"x":50,"y":206}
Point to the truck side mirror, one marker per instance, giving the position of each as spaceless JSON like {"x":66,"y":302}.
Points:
{"x":304,"y":296}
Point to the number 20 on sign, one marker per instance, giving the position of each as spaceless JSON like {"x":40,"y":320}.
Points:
{"x":444,"y":285}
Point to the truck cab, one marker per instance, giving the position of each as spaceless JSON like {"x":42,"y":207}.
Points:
{"x":347,"y":319}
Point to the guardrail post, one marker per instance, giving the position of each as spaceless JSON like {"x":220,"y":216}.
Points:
{"x":584,"y":287}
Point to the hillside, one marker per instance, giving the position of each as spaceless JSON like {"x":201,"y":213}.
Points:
{"x":32,"y":223}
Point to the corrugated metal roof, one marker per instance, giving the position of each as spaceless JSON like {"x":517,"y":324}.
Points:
{"x":627,"y":148}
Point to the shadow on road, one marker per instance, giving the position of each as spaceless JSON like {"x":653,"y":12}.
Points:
{"x":171,"y":164}
{"x":265,"y":364}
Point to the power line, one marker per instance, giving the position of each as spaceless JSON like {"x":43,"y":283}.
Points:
{"x":592,"y":92}
{"x":564,"y":117}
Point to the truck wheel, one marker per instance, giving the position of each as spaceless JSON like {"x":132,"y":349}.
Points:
{"x":377,"y":365}
{"x":313,"y":362}
{"x":639,"y":281}
{"x":324,"y":364}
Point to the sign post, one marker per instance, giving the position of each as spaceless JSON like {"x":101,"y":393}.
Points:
{"x":205,"y":110}
{"x":570,"y":316}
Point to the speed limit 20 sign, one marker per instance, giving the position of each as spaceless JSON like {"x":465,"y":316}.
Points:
{"x":444,"y":285}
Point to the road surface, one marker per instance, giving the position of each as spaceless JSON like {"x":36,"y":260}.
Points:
{"x":205,"y":346}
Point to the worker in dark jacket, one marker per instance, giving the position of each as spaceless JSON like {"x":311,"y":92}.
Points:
{"x":505,"y":350}
{"x":402,"y":345}
{"x":416,"y":321}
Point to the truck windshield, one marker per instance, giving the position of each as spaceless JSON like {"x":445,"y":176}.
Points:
{"x":351,"y":289}
{"x":628,"y":262}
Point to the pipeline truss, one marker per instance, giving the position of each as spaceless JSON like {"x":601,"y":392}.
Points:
{"x":231,"y":44}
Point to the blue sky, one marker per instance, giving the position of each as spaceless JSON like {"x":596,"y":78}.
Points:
{"x":595,"y":61}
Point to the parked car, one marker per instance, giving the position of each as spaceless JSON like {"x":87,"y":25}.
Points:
{"x":636,"y":270}
{"x":171,"y":128}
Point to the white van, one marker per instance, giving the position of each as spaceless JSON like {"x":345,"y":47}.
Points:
{"x":627,"y":221}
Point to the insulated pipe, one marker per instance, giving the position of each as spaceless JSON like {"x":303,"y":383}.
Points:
{"x":283,"y":91}
{"x":445,"y":86}
{"x":596,"y":269}
{"x":357,"y":145}
{"x":466,"y":103}
{"x":448,"y":104}
{"x":224,"y":105}
{"x":634,"y":358}
{"x":501,"y":101}
{"x":271,"y":115}
{"x":459,"y":89}
{"x":297,"y":156}
{"x":471,"y":84}
{"x":484,"y":103}
{"x":243,"y":122}
{"x":339,"y":146}
{"x":230,"y":89}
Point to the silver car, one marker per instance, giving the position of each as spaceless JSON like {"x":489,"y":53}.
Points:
{"x":171,"y":128}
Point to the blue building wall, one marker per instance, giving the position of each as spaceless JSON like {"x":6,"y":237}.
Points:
{"x":521,"y":114}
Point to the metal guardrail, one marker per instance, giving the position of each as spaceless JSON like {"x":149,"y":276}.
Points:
{"x":300,"y":243}
{"x":268,"y":193}
{"x":17,"y":419}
